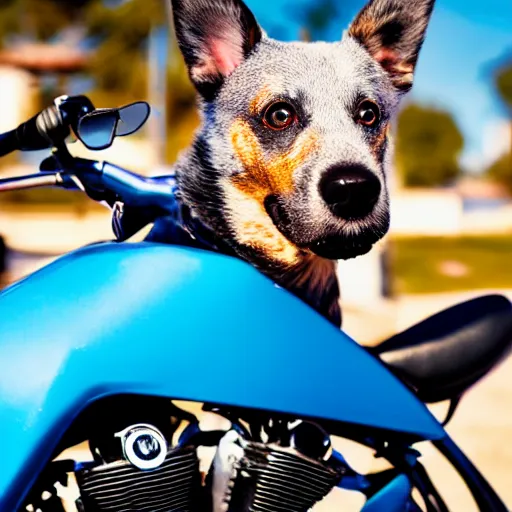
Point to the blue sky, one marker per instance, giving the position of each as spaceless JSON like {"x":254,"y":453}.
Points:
{"x":464,"y":39}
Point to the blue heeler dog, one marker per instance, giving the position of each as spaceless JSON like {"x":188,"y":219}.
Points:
{"x":288,"y":168}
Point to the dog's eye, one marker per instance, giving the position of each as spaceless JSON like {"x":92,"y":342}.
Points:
{"x":279,"y":116}
{"x":368,"y":113}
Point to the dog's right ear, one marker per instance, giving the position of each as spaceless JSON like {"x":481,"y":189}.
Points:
{"x":214,"y":36}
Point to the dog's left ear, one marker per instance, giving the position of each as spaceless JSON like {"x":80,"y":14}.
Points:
{"x":393,"y":32}
{"x":215,"y":37}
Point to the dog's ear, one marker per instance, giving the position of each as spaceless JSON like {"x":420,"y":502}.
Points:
{"x":214,"y":36}
{"x":393,"y":32}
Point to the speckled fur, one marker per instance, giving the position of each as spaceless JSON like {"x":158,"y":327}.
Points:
{"x":237,"y":70}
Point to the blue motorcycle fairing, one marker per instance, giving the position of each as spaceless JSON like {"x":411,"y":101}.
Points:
{"x":394,"y":497}
{"x":182,"y":323}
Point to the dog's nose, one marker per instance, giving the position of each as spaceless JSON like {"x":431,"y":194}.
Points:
{"x":351,"y":192}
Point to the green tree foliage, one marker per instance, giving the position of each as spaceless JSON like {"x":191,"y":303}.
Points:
{"x":501,"y":169}
{"x":182,"y":117}
{"x":428,"y":145}
{"x":318,"y":17}
{"x":117,"y":33}
{"x":503,"y":84}
{"x":9,"y":21}
{"x":120,"y":34}
{"x":38,"y":19}
{"x":119,"y":65}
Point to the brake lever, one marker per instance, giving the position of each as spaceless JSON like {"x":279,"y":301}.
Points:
{"x":70,"y":181}
{"x":50,"y":164}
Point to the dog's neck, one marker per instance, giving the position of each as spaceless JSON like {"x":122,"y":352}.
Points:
{"x":312,"y":279}
{"x":315,"y":281}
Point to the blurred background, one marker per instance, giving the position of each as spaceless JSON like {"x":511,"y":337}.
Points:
{"x":451,"y":233}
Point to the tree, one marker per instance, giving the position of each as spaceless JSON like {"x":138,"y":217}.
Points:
{"x":117,"y":33}
{"x":317,"y":18}
{"x":38,"y":19}
{"x":428,"y":145}
{"x":501,"y":170}
{"x":503,"y":84}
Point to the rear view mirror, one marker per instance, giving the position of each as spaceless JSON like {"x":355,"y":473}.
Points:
{"x":97,"y":129}
{"x":132,"y":117}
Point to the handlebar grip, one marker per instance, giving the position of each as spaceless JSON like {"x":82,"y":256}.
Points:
{"x":8,"y":142}
{"x":42,"y":131}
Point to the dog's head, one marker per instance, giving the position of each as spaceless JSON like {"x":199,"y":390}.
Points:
{"x":291,"y":155}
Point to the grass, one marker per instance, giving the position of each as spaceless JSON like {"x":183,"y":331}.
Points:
{"x":440,"y":264}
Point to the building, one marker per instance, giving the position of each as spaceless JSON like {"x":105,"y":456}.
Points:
{"x":21,"y":69}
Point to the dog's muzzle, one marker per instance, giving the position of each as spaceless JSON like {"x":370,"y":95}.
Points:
{"x":354,"y":217}
{"x":341,"y":248}
{"x":350,"y":192}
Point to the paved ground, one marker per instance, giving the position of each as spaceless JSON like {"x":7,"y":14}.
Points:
{"x":482,"y":426}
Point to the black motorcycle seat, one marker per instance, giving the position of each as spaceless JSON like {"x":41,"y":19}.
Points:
{"x":442,"y":356}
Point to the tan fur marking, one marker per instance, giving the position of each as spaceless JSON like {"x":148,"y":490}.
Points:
{"x":363,"y":28}
{"x":246,"y":192}
{"x":262,"y":177}
{"x":260,"y":100}
{"x":254,"y":228}
{"x":379,"y":141}
{"x":366,"y":30}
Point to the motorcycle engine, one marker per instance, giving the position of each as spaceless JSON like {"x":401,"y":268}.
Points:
{"x":150,"y":477}
{"x":249,"y":476}
{"x":262,"y":464}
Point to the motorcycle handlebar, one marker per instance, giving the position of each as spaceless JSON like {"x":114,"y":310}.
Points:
{"x":39,"y":132}
{"x":101,"y":181}
{"x":135,"y":190}
{"x":48,"y":128}
{"x":30,"y":181}
{"x":8,"y":142}
{"x":43,"y":130}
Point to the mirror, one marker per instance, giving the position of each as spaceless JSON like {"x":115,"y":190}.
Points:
{"x":132,"y":117}
{"x":97,"y":129}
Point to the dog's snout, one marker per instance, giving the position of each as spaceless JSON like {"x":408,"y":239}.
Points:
{"x":351,"y":192}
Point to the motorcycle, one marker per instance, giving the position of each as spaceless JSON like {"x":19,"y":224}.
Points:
{"x":100,"y":345}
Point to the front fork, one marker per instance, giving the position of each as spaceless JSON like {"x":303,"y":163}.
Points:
{"x":484,"y":495}
{"x":391,"y":490}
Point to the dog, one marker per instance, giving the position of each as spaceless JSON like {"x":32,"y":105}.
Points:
{"x":288,"y":167}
